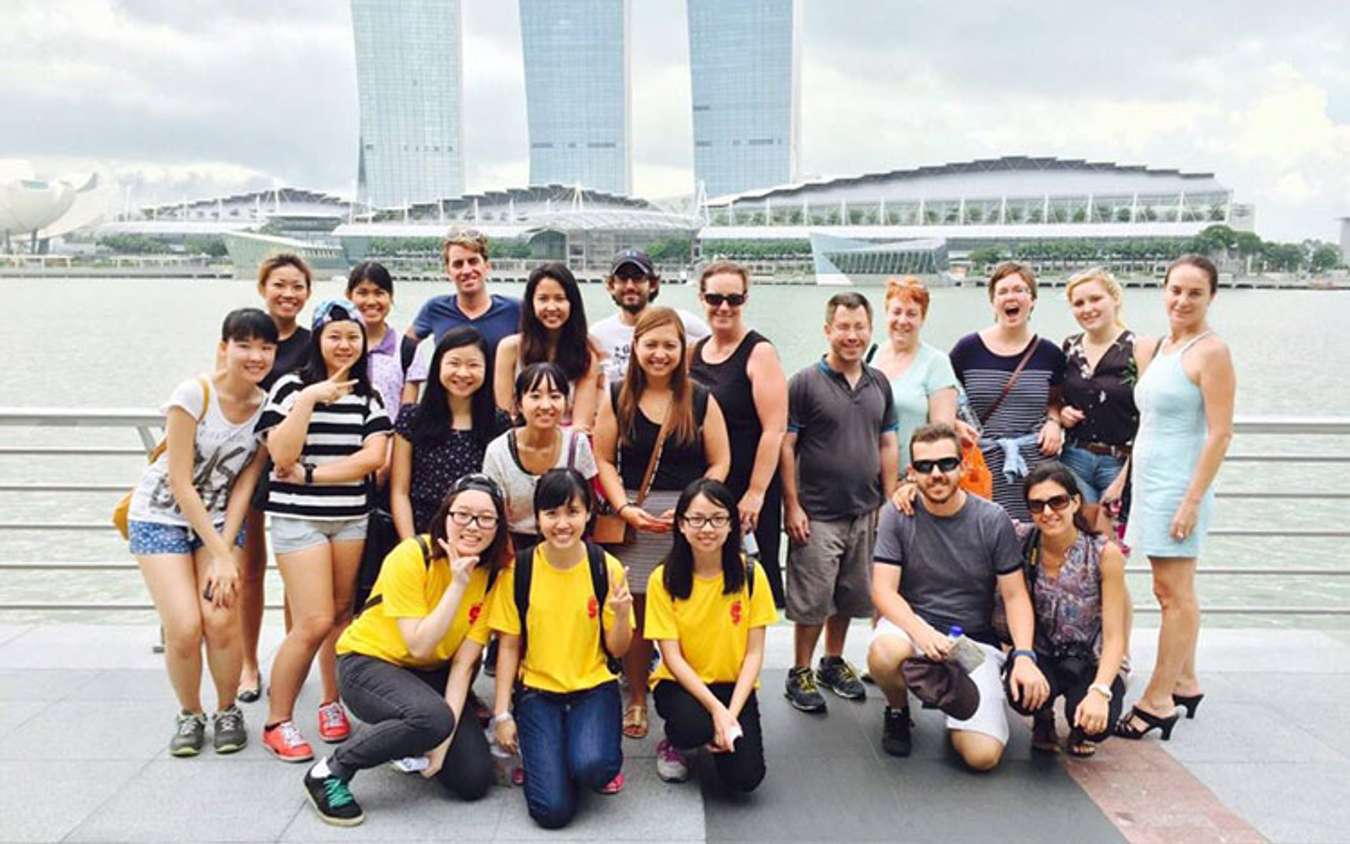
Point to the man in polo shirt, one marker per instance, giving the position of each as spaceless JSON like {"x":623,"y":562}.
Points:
{"x":838,"y":464}
{"x":633,"y":284}
{"x":465,"y":253}
{"x":937,"y":569}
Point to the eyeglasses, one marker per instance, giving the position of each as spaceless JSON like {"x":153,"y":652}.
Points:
{"x":735,"y":300}
{"x":463,"y":518}
{"x":719,"y":521}
{"x":1054,"y":502}
{"x":944,"y":465}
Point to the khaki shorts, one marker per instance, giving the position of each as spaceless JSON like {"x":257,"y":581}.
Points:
{"x":832,"y":573}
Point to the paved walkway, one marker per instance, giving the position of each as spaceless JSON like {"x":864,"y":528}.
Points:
{"x":85,"y":713}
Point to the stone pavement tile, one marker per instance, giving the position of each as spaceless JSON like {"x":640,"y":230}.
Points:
{"x":1316,"y":715}
{"x":1292,"y":802}
{"x":41,"y":683}
{"x":69,"y":730}
{"x":9,"y":631}
{"x":838,"y":732}
{"x":403,"y":807}
{"x":184,"y":800}
{"x":13,"y":713}
{"x":43,"y":800}
{"x":1246,"y":732}
{"x":88,"y":646}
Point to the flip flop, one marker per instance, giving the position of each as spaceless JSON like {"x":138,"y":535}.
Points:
{"x":635,"y":722}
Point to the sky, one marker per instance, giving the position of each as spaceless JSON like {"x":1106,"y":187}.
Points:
{"x":192,"y":98}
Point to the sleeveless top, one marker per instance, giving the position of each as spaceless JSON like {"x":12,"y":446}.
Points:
{"x":731,"y":386}
{"x":681,"y":463}
{"x":1069,"y":605}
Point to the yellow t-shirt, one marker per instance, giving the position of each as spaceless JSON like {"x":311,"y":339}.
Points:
{"x":712,"y":628}
{"x":409,"y":588}
{"x":562,"y":651}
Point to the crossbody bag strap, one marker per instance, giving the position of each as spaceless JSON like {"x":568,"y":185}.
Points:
{"x":1007,"y":388}
{"x":655,"y":460}
{"x":572,"y":450}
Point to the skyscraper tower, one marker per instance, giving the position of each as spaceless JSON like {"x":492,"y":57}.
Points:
{"x":743,"y":62}
{"x":578,"y":92}
{"x":409,"y":82}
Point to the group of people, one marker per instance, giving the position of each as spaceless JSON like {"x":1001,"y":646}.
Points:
{"x":592,"y":515}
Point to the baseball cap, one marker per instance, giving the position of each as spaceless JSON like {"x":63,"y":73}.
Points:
{"x":636,"y":257}
{"x":330,"y":310}
{"x":942,"y":684}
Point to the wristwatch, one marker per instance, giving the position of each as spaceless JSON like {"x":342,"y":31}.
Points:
{"x":1103,"y":690}
{"x":502,"y":718}
{"x":309,"y":473}
{"x":1029,"y":654}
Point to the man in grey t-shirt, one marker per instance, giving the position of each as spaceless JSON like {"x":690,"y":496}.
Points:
{"x":953,"y":552}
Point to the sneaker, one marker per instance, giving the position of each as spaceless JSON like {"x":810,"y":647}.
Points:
{"x":671,"y":766}
{"x":801,"y":690}
{"x":333,"y":724}
{"x":895,"y":738}
{"x":285,"y":742}
{"x":227,"y":730}
{"x":190,"y":736}
{"x":839,"y":677}
{"x":614,"y":786}
{"x":333,"y":800}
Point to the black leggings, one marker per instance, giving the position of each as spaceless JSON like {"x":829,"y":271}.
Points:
{"x":1070,"y":677}
{"x":689,"y":725}
{"x":405,"y":714}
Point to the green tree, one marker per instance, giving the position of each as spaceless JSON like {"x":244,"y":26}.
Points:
{"x":1325,"y":256}
{"x":985,"y":256}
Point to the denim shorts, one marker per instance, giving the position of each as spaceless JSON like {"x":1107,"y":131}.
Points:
{"x":149,"y":538}
{"x":291,"y":533}
{"x":1094,"y":472}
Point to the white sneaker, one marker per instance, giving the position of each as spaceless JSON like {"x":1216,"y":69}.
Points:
{"x":671,"y":765}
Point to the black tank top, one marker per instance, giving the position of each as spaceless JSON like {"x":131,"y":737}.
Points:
{"x":681,"y":462}
{"x":731,"y":386}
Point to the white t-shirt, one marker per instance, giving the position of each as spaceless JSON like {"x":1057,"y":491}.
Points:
{"x":221,"y":452}
{"x":616,"y":339}
{"x":502,"y":465}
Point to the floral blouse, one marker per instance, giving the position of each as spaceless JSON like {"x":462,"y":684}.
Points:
{"x":1105,"y":395}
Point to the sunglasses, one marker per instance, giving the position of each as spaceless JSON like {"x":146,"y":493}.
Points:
{"x":735,"y":300}
{"x":1054,"y":502}
{"x":944,"y":465}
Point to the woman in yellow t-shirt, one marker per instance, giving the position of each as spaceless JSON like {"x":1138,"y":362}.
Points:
{"x":406,"y":662}
{"x":708,"y":619}
{"x":578,"y":619}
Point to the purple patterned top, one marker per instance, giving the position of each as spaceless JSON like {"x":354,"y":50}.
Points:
{"x":1069,"y":605}
{"x":385,"y":369}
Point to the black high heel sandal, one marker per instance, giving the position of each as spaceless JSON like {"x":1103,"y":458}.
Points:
{"x":1189,"y":702}
{"x":1126,"y":729}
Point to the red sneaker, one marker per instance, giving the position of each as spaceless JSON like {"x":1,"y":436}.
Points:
{"x":614,"y":786}
{"x":285,"y":742}
{"x":333,"y":724}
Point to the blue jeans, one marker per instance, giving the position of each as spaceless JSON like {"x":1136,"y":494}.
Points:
{"x":1094,"y":472}
{"x":566,"y":741}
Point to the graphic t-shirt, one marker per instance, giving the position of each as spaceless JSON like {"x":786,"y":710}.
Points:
{"x":562,"y":651}
{"x":713,"y":628}
{"x":501,"y":462}
{"x":410,"y":587}
{"x":220,"y":452}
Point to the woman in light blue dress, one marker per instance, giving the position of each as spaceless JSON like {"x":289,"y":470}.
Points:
{"x":1185,"y":398}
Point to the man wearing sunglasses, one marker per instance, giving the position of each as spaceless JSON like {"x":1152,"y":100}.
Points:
{"x":633,"y":283}
{"x":953,"y":552}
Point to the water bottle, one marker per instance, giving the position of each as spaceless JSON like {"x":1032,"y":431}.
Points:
{"x":751,"y":546}
{"x":965,"y":652}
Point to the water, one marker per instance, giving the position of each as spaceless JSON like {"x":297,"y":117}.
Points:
{"x":126,"y":343}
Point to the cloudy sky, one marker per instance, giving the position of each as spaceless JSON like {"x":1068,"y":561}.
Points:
{"x":185,"y":98}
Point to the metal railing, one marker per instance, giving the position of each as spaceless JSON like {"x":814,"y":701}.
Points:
{"x":148,"y":425}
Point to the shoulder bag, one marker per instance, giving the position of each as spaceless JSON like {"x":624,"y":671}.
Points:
{"x":610,"y":528}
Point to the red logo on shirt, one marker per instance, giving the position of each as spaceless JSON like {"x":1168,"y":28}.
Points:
{"x":474,"y":611}
{"x":592,"y":607}
{"x":736,"y":612}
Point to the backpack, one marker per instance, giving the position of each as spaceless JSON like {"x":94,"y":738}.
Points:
{"x":595,"y":561}
{"x":425,"y":548}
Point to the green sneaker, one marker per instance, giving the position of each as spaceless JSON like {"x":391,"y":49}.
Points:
{"x":333,"y":800}
{"x":190,"y":737}
{"x":227,"y":730}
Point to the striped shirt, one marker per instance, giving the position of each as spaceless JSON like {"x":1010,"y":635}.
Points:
{"x":336,"y":431}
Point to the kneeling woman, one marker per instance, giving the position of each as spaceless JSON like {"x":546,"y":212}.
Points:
{"x":406,"y":662}
{"x":1077,"y":583}
{"x":707,"y":607}
{"x":564,"y":615}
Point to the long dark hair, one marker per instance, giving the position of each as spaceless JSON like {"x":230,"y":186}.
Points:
{"x":1058,"y":473}
{"x":683,"y":426}
{"x":678,"y":576}
{"x":432,"y":423}
{"x":536,"y":374}
{"x":573,"y":350}
{"x":498,"y":552}
{"x":373,"y":272}
{"x":315,"y":370}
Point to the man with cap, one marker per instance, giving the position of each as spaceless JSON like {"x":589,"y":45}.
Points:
{"x":937,"y":569}
{"x":633,"y":283}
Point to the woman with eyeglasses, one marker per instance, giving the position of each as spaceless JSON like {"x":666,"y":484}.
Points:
{"x":564,"y":614}
{"x":444,"y":436}
{"x":658,"y":432}
{"x":517,"y":459}
{"x":406,"y":662}
{"x":707,"y":608}
{"x":741,"y":369}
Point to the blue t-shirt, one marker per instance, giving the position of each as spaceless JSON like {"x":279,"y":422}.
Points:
{"x":439,"y":314}
{"x":930,"y":371}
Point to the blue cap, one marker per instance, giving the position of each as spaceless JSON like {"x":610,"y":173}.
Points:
{"x":331,"y":310}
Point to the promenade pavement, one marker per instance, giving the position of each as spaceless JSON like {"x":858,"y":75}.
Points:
{"x":86,"y":712}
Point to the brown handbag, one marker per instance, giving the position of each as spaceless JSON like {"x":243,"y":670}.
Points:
{"x":610,"y":528}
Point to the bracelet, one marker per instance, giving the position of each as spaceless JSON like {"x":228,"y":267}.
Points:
{"x":1102,"y":689}
{"x":309,"y":473}
{"x":619,"y":512}
{"x":1026,"y":653}
{"x":502,"y":718}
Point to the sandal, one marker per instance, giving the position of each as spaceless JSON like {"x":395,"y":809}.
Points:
{"x":1128,"y":727}
{"x":635,"y":722}
{"x":1044,"y":737}
{"x":1188,"y":702}
{"x":1082,"y":749}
